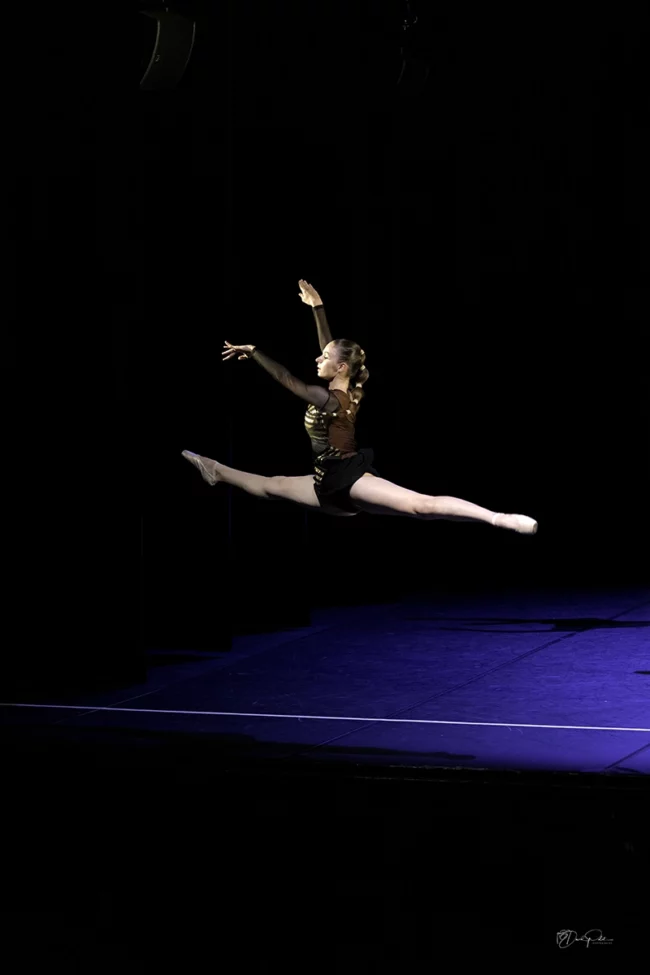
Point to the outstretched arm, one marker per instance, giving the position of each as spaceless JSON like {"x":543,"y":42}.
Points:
{"x":311,"y":297}
{"x":311,"y":394}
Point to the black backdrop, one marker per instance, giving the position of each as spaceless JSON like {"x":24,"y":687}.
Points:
{"x":483,"y":234}
{"x":479,"y":234}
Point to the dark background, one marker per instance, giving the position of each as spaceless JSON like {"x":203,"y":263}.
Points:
{"x":482,"y":235}
{"x":480,"y":228}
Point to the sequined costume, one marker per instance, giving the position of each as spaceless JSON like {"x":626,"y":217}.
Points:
{"x":330,"y":423}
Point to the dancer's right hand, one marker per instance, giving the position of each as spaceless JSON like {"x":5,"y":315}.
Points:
{"x":231,"y":350}
{"x":308,"y":294}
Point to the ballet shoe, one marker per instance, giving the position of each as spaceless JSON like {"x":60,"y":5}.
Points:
{"x":203,"y":465}
{"x":517,"y":523}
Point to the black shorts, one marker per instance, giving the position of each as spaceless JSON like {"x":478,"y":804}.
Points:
{"x":334,"y":476}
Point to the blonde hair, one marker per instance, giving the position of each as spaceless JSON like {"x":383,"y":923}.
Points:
{"x":354,"y":357}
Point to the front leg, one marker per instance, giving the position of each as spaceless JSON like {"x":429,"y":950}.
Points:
{"x":214,"y":473}
{"x":298,"y":490}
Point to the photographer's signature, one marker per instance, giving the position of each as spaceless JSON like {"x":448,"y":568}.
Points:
{"x":595,"y":937}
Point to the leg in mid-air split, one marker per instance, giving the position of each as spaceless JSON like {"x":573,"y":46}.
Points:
{"x":378,"y":496}
{"x":299,"y":490}
{"x":373,"y":495}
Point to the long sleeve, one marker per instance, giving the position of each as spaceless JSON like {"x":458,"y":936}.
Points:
{"x":324,"y":334}
{"x":320,"y":397}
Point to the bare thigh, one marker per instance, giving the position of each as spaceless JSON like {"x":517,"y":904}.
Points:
{"x":377,"y":496}
{"x":300,"y":490}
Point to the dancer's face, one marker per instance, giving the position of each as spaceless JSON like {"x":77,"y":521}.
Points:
{"x":328,"y":364}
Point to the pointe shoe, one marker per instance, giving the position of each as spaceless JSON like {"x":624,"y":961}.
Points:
{"x":517,"y":523}
{"x":203,"y":466}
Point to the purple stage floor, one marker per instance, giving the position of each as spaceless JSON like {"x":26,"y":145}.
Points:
{"x":545,"y":681}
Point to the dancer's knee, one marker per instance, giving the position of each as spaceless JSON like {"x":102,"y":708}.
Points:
{"x":428,"y":506}
{"x":274,"y":486}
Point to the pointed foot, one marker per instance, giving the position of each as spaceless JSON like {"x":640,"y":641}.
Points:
{"x":207,"y":468}
{"x":517,"y":523}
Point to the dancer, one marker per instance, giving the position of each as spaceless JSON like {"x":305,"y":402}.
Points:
{"x":344,"y":481}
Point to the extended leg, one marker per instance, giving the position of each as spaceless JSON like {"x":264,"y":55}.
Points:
{"x":213,"y":472}
{"x":379,"y":496}
{"x":298,"y":490}
{"x":455,"y":509}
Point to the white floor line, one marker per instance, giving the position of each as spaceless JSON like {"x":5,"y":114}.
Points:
{"x":331,"y":717}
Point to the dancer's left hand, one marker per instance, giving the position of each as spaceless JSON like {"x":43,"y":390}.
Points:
{"x":232,"y":350}
{"x":309,"y":294}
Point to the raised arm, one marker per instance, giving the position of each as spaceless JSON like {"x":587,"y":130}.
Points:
{"x":324,"y":334}
{"x":311,"y":297}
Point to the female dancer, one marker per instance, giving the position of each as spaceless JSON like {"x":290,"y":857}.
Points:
{"x":344,"y":481}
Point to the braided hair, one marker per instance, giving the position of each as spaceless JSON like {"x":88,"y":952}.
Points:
{"x":353,"y":355}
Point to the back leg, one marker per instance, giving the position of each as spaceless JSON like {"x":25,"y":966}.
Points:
{"x":379,"y":496}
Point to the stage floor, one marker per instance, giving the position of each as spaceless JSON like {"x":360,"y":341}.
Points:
{"x":544,"y":681}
